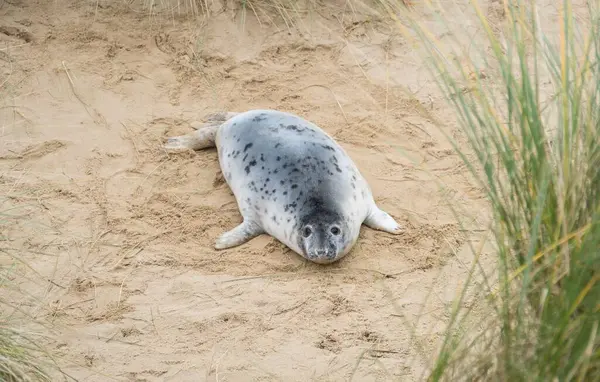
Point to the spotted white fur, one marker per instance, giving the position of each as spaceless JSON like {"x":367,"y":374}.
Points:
{"x":291,"y":180}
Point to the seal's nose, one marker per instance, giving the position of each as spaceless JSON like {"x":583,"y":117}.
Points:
{"x":321,"y":252}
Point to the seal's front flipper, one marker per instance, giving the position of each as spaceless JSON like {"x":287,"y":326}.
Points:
{"x":239,"y":235}
{"x":382,"y":221}
{"x":199,"y":139}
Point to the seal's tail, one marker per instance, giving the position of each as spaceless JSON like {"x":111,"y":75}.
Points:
{"x":203,"y":137}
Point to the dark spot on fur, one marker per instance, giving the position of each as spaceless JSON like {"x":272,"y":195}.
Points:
{"x":274,"y":218}
{"x":262,"y":158}
{"x":258,"y":118}
{"x":245,"y":156}
{"x":247,"y":168}
{"x":278,"y":158}
{"x":294,"y":186}
{"x":272,"y":192}
{"x":277,"y":145}
{"x":328,"y":147}
{"x":282,"y":182}
{"x":268,"y":179}
{"x":285,"y":192}
{"x":290,"y":206}
{"x":248,"y":146}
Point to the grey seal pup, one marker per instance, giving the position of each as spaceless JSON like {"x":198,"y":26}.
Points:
{"x":291,"y":180}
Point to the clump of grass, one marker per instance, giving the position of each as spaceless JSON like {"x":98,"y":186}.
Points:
{"x":538,"y":160}
{"x":22,"y":359}
{"x":287,"y":12}
{"x":19,"y":358}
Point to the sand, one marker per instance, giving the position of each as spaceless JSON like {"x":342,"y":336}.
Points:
{"x":120,"y":233}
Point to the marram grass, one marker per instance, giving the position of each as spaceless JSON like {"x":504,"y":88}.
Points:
{"x":22,"y":359}
{"x":538,"y":159}
{"x":19,"y":358}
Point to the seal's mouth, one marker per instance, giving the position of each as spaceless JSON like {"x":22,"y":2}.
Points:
{"x":322,"y":256}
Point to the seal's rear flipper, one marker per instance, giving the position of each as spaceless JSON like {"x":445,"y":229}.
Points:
{"x":221,"y":116}
{"x":214,"y":119}
{"x":382,"y":221}
{"x":200,"y":139}
{"x":239,"y":235}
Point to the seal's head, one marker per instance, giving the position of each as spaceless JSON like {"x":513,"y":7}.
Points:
{"x":323,"y":235}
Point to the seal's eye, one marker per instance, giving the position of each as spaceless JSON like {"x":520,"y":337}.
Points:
{"x":335,"y":231}
{"x":307,"y":231}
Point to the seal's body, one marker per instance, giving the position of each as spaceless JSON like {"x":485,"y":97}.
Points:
{"x":292,"y":181}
